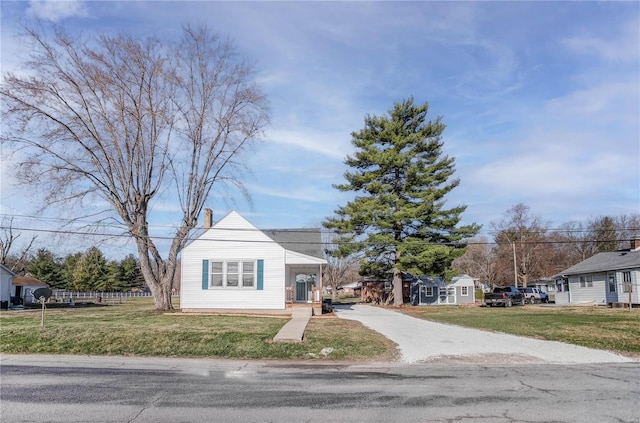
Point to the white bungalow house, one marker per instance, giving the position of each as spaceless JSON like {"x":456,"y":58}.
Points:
{"x":234,"y":266}
{"x":6,"y":275}
{"x":436,"y":292}
{"x":605,"y":278}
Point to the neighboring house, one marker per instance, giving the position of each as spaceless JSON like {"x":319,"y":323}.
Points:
{"x":436,"y":292}
{"x":234,"y":266}
{"x":350,"y":289}
{"x":604,"y":278}
{"x":22,"y":287}
{"x":6,"y":275}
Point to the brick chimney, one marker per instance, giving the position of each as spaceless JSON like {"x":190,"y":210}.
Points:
{"x":208,"y":218}
{"x":635,"y":244}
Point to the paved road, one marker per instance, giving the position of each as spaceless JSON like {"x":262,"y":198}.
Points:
{"x":424,"y":341}
{"x":155,"y":390}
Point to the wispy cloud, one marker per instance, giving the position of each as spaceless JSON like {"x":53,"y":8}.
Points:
{"x":305,"y":194}
{"x":57,"y":10}
{"x":609,"y":101}
{"x":624,"y":46}
{"x":330,"y":144}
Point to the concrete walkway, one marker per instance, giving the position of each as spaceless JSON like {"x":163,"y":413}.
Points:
{"x":293,"y":331}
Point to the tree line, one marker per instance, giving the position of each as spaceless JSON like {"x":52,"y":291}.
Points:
{"x":82,"y":271}
{"x":524,"y":248}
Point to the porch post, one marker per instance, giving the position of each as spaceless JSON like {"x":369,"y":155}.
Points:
{"x":320,"y":281}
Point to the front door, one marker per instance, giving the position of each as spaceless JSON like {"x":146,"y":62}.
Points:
{"x":304,"y":286}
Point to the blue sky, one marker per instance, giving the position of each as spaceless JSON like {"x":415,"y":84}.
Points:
{"x":541,"y":99}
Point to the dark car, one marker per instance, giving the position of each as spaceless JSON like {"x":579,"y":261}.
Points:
{"x":504,"y":296}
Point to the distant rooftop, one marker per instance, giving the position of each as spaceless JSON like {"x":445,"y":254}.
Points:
{"x":603,"y":262}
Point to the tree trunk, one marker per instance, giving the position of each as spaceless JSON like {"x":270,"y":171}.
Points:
{"x":162,"y":295}
{"x":398,"y":298}
{"x":158,"y":274}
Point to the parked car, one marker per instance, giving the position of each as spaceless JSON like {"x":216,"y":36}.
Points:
{"x":544,"y":297}
{"x":504,"y":296}
{"x":532,"y":295}
{"x":535,"y":295}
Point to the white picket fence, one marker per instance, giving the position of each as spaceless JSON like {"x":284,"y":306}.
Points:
{"x":64,"y":296}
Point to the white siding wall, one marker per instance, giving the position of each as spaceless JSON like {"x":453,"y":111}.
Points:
{"x":5,"y":284}
{"x":596,"y":293}
{"x":623,"y":297}
{"x":635,"y":280}
{"x":233,"y":238}
{"x":561,"y":297}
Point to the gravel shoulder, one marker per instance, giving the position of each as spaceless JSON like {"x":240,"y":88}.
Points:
{"x":425,"y":341}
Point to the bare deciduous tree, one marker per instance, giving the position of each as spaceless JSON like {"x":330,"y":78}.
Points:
{"x":628,"y":228}
{"x":579,"y":241}
{"x":339,"y":266}
{"x":17,"y":263}
{"x":479,"y":261}
{"x":130,"y":120}
{"x":521,"y":237}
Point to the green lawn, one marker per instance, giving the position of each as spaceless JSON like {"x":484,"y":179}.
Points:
{"x":598,"y":327}
{"x":134,"y":328}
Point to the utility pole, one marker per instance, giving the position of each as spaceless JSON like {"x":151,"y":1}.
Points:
{"x":515,"y":266}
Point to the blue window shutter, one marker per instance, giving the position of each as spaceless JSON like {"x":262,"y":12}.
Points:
{"x":260,"y":275}
{"x":205,"y":274}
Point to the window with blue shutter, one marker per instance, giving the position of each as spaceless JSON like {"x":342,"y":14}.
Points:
{"x":233,"y":274}
{"x":260,"y":275}
{"x":205,"y":274}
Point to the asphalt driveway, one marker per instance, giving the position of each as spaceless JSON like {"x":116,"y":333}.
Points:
{"x":424,"y":341}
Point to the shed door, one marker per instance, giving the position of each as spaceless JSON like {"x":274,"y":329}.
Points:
{"x":447,"y":295}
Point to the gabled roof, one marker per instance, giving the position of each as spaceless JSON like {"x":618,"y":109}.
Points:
{"x":462,"y":280}
{"x":304,"y":241}
{"x":307,"y":241}
{"x":604,"y":262}
{"x":436,"y":282}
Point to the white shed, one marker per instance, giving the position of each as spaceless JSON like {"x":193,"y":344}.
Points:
{"x":464,"y":288}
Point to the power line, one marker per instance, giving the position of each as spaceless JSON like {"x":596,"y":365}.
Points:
{"x":292,"y":230}
{"x":304,"y":242}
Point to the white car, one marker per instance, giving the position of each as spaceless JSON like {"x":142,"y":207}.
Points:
{"x":532,"y":295}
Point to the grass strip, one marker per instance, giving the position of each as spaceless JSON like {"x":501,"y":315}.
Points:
{"x":612,"y":329}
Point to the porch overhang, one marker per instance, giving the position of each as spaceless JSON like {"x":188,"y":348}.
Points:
{"x":293,"y":258}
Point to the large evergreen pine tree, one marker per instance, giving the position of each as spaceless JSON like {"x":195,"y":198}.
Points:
{"x":398,"y":218}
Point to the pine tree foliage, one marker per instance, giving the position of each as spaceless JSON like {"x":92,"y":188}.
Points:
{"x":399,"y":217}
{"x":46,"y":267}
